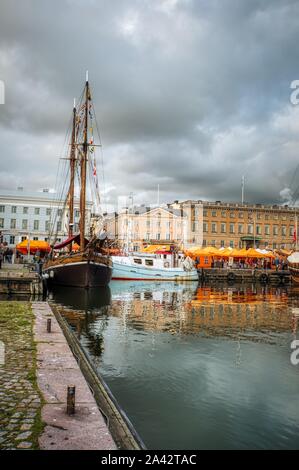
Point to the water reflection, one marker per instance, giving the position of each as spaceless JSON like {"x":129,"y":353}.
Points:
{"x":195,"y":366}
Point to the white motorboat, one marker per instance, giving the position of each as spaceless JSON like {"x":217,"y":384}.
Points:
{"x":161,"y":266}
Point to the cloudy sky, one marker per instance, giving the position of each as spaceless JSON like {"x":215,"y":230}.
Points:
{"x":190,"y":94}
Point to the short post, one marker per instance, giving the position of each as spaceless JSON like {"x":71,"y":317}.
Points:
{"x":49,"y":325}
{"x":71,"y":392}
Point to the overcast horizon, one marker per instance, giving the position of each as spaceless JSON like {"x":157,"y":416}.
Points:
{"x":189,"y":95}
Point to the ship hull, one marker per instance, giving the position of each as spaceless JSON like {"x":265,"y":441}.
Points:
{"x":84,"y":273}
{"x":294,"y":270}
{"x":124,"y":271}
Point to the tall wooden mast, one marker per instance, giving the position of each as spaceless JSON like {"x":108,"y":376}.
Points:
{"x":83,"y":165}
{"x":72,"y":175}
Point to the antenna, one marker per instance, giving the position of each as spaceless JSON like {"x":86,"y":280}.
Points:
{"x":74,"y":103}
{"x":86,"y":76}
{"x":243,"y":187}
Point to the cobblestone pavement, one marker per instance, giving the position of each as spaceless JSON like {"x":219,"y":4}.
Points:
{"x":20,"y":401}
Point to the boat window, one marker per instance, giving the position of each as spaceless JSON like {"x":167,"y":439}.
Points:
{"x":149,"y":262}
{"x":137,"y":260}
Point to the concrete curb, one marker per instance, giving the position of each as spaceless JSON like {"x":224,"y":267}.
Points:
{"x":57,"y":369}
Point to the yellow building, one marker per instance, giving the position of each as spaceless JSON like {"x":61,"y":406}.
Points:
{"x":239,"y":225}
{"x":136,"y":227}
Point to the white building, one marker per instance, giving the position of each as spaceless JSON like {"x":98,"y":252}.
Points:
{"x":35,"y":215}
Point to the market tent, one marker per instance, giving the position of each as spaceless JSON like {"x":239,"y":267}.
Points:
{"x":35,"y":245}
{"x":253,"y":253}
{"x":154,"y":248}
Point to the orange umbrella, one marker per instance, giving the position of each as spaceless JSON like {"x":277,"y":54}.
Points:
{"x":34,"y":245}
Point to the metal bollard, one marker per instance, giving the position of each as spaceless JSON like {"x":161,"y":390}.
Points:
{"x":49,"y":325}
{"x":71,"y":392}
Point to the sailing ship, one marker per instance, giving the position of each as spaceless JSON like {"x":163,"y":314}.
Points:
{"x":293,"y":263}
{"x":90,"y":266}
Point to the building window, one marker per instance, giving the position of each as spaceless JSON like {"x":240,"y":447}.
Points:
{"x":47,"y":226}
{"x":77,"y":213}
{"x":223,"y":228}
{"x":167,"y":236}
{"x":205,"y":227}
{"x":275,"y":230}
{"x":232,"y":215}
{"x":274,"y":245}
{"x":240,"y":228}
{"x":35,"y":238}
{"x":148,"y":236}
{"x":223,"y":214}
{"x":283,"y":230}
{"x":231,"y":228}
{"x":2,"y":208}
{"x":222,"y":243}
{"x":1,"y":223}
{"x":36,"y":211}
{"x":23,"y":238}
{"x":13,"y":223}
{"x":137,"y":261}
{"x":158,"y":236}
{"x":258,"y":230}
{"x":24,"y":224}
{"x":204,"y":242}
{"x":59,"y":212}
{"x":266,"y":216}
{"x":13,"y":209}
{"x":59,"y":226}
{"x":231,"y":243}
{"x":214,"y":228}
{"x":205,"y":213}
{"x":48,"y":211}
{"x":267,"y":229}
{"x":214,"y":213}
{"x":25,"y":210}
{"x":36,"y":225}
{"x":291,"y":233}
{"x":213,"y":243}
{"x":240,"y":244}
{"x":250,"y":229}
{"x":259,"y":216}
{"x":12,"y":240}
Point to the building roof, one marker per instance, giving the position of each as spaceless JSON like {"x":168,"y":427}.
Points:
{"x":24,"y":195}
{"x":140,"y":210}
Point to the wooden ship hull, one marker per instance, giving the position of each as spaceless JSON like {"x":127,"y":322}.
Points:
{"x":294,"y":270}
{"x":78,"y":271}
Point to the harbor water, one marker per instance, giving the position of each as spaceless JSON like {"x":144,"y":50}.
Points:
{"x":194,"y":367}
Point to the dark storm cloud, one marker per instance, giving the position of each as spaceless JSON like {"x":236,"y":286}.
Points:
{"x":190,"y":95}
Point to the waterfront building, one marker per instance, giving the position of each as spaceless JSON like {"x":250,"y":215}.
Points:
{"x":26,"y":214}
{"x":223,"y":224}
{"x":138,"y":226}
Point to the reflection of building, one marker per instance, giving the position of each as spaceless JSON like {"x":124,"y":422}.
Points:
{"x":23,"y":213}
{"x":240,"y":225}
{"x":136,"y":227}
